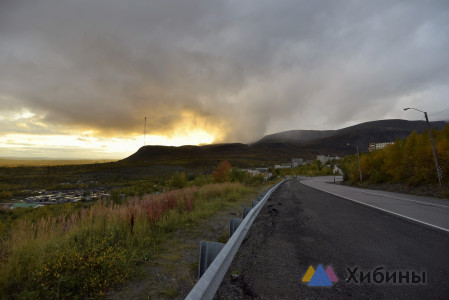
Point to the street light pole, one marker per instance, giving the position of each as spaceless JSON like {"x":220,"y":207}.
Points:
{"x":358,"y":159}
{"x":360,"y":167}
{"x":437,"y":165}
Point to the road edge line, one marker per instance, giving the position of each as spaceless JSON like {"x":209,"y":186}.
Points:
{"x":360,"y":190}
{"x":384,"y":210}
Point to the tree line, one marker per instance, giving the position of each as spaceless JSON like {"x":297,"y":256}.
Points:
{"x":224,"y":172}
{"x":408,"y":160}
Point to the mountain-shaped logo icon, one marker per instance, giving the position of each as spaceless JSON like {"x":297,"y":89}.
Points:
{"x":320,"y":277}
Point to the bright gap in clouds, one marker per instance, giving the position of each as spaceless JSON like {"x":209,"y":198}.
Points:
{"x":79,"y":146}
{"x":30,"y":136}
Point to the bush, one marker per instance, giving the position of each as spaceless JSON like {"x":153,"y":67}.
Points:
{"x":87,"y":270}
{"x":221,"y":173}
{"x":6,"y":195}
{"x":201,"y":180}
{"x":237,"y":175}
{"x":178,"y":180}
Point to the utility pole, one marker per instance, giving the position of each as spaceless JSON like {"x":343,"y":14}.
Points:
{"x":360,"y":167}
{"x":358,"y":159}
{"x":437,"y":165}
{"x":144,"y":131}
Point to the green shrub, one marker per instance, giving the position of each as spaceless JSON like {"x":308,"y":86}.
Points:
{"x":83,"y":270}
{"x":178,"y":180}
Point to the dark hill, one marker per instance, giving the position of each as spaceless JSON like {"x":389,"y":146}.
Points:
{"x":362,"y":134}
{"x":194,"y":156}
{"x":281,"y":147}
{"x":295,"y":136}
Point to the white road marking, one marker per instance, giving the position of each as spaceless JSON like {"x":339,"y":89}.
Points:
{"x":402,"y":199}
{"x":384,"y":210}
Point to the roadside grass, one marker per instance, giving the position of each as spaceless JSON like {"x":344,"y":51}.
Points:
{"x":89,"y":251}
{"x":5,"y":162}
{"x":174,"y":266}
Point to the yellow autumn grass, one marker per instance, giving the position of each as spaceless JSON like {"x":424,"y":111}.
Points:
{"x":88,"y":251}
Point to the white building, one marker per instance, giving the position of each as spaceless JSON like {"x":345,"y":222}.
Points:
{"x":296,"y":162}
{"x":283,"y":166}
{"x":377,"y":146}
{"x":253,"y":172}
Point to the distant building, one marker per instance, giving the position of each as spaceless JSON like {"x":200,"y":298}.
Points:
{"x":296,"y":162}
{"x":258,"y":171}
{"x":378,"y":146}
{"x":283,"y":166}
{"x":324,"y":159}
{"x":253,"y":172}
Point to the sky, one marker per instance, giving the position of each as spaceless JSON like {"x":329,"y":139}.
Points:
{"x":78,"y":77}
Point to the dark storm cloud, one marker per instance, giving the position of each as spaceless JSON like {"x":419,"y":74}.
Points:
{"x":246,"y":66}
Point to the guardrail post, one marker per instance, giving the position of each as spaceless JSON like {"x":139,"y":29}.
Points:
{"x":234,"y":223}
{"x":246,"y":210}
{"x":208,"y":252}
{"x":210,"y":280}
{"x":254,"y":203}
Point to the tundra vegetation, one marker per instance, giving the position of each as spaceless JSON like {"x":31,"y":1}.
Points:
{"x":83,"y":250}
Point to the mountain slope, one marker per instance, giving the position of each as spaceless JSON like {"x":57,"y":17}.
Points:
{"x":335,"y":141}
{"x":295,"y":136}
{"x":281,"y":147}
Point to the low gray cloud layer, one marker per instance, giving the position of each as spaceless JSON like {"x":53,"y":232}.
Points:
{"x":248,"y":67}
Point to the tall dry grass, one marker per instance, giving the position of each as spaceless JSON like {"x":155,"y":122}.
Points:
{"x":88,"y":251}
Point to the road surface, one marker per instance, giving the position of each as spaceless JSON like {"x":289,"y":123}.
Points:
{"x":429,"y":211}
{"x":300,"y":226}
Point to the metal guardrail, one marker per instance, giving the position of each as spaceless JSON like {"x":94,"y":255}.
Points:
{"x":208,"y":284}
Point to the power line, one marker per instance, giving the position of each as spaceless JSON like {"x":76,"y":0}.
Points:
{"x":439,"y":112}
{"x":432,"y":114}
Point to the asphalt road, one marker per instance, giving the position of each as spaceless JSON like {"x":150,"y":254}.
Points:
{"x":430,"y":211}
{"x":300,"y":226}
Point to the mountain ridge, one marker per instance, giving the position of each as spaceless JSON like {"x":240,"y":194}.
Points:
{"x":284,"y":145}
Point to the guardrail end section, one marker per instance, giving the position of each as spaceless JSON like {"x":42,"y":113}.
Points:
{"x":234,"y":223}
{"x":208,"y":252}
{"x":246,"y":210}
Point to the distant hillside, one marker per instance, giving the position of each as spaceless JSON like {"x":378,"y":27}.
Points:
{"x":335,"y":141}
{"x":295,"y":136}
{"x":195,"y":156}
{"x":281,"y":147}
